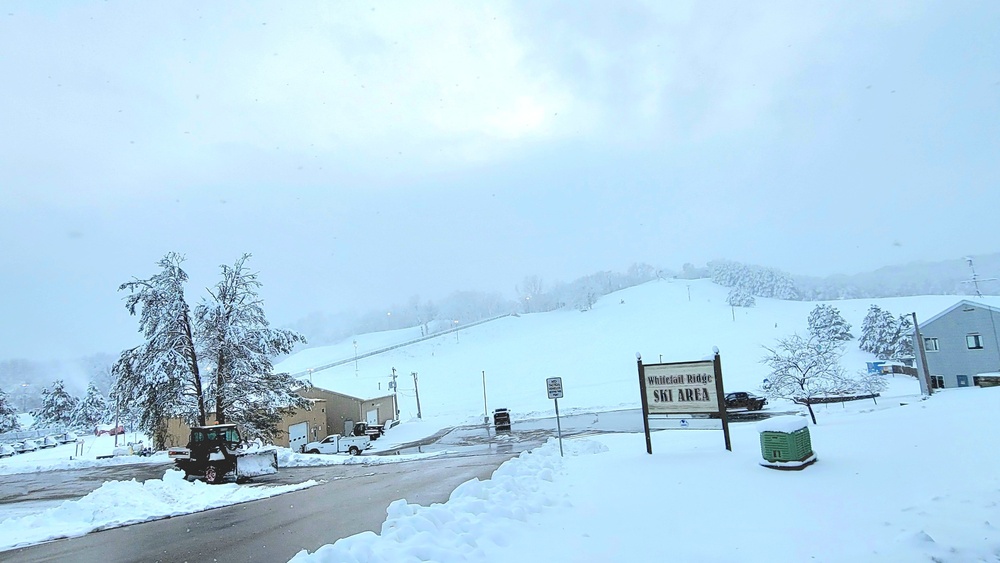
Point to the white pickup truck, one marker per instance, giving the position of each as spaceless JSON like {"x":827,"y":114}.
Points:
{"x":337,"y":444}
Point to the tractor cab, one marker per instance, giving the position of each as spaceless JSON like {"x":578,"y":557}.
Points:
{"x":218,"y":435}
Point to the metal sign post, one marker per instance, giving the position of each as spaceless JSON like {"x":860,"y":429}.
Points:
{"x":555,"y":389}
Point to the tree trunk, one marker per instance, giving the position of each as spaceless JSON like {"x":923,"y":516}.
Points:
{"x":196,"y":375}
{"x":220,"y":368}
{"x":811,"y":413}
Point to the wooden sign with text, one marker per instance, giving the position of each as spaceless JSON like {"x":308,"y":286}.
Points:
{"x":682,"y":388}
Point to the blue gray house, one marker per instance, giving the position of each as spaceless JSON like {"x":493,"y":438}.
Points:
{"x":962,"y":342}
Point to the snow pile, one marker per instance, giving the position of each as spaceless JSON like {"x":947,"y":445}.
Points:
{"x":476,"y":521}
{"x":897,"y":483}
{"x":288,"y":458}
{"x":257,"y":461}
{"x":120,"y":503}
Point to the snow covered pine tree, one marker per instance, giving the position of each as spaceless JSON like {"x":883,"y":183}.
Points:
{"x":236,"y":339}
{"x":826,"y":323}
{"x":57,"y":407}
{"x":160,"y":378}
{"x":739,"y":296}
{"x":879,"y":333}
{"x":8,"y":418}
{"x":92,"y":410}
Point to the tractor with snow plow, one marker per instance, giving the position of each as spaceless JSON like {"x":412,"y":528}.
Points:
{"x":217,"y":454}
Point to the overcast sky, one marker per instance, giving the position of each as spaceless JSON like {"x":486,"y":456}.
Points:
{"x":364,"y":152}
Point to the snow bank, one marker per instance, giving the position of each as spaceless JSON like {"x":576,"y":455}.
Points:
{"x":288,"y":458}
{"x":478,"y":517}
{"x":120,"y":503}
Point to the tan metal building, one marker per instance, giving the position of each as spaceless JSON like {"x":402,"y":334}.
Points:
{"x":343,"y":410}
{"x":295,"y":429}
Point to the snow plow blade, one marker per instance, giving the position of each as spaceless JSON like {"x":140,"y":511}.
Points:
{"x":256,"y":463}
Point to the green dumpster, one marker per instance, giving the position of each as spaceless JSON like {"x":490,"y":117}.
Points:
{"x":785,"y":442}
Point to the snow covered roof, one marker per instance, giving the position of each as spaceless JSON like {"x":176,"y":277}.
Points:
{"x":786,"y":424}
{"x":962,"y":303}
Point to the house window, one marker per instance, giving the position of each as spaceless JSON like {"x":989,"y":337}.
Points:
{"x":931,"y":344}
{"x":937,"y":382}
{"x":974,"y":342}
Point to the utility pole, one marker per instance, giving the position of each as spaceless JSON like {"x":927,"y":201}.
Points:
{"x":417,"y":391}
{"x":486,"y":412}
{"x":925,"y":379}
{"x":395,"y":399}
{"x":355,"y":358}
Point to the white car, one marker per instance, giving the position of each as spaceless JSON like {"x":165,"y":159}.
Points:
{"x":49,"y":442}
{"x":6,"y":450}
{"x":67,"y":438}
{"x":25,"y":446}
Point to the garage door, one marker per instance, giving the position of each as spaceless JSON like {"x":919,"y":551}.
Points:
{"x":297,"y":435}
{"x":372,"y":417}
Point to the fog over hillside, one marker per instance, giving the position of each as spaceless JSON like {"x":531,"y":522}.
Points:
{"x":947,"y":277}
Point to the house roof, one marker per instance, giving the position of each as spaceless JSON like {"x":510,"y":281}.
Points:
{"x":962,"y":303}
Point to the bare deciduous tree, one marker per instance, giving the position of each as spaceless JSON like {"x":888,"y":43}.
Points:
{"x":805,"y":370}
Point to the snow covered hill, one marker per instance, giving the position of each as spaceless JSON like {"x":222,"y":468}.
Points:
{"x":593,"y":351}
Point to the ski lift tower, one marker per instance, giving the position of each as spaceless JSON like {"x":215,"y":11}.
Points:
{"x":975,"y":277}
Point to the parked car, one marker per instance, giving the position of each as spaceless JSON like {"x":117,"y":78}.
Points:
{"x":67,"y":437}
{"x":6,"y":450}
{"x":501,"y":420}
{"x":48,"y":442}
{"x":140,"y":448}
{"x":25,"y":446}
{"x":743,"y":400}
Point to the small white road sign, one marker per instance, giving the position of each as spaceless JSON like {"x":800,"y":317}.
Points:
{"x":554,"y":385}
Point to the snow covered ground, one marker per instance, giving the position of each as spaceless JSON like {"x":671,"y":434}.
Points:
{"x":120,"y":503}
{"x":894,"y":481}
